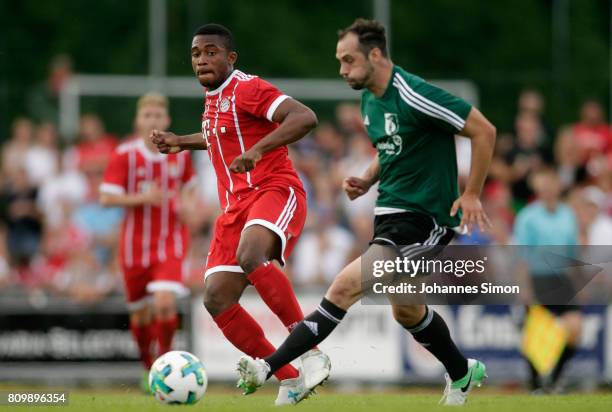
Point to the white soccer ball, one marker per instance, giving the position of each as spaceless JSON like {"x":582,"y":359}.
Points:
{"x":178,"y":377}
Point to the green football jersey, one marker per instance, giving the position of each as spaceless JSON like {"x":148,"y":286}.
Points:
{"x":412,"y":127}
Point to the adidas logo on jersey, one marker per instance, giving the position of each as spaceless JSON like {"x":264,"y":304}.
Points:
{"x":366,"y":121}
{"x":313,"y":326}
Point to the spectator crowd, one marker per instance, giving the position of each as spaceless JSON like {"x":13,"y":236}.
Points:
{"x":55,"y":239}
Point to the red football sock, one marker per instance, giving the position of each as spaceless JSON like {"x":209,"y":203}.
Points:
{"x":275,"y":289}
{"x":165,"y":333}
{"x":143,"y":335}
{"x":245,"y":334}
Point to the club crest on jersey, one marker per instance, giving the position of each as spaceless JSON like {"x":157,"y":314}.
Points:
{"x":173,"y":170}
{"x":225,"y":105}
{"x":141,"y":172}
{"x":391,"y":124}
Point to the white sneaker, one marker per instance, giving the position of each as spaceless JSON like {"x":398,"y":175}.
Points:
{"x":316,"y":367}
{"x":456,"y":392}
{"x":253,"y":374}
{"x":292,"y":391}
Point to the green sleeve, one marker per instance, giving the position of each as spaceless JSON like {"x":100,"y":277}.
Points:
{"x":432,"y":105}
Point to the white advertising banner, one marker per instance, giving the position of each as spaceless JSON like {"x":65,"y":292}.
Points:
{"x":608,"y":343}
{"x":370,"y":346}
{"x":366,"y":345}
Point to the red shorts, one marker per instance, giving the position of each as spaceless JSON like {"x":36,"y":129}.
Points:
{"x":141,"y":281}
{"x":282,"y":210}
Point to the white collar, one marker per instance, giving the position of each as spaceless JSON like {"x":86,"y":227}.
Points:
{"x":225,"y":83}
{"x":146,"y":152}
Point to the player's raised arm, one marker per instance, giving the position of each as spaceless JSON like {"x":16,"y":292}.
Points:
{"x":168,"y":142}
{"x":295,"y":119}
{"x":482,"y":134}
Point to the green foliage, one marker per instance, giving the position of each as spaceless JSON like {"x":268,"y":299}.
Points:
{"x":501,"y":45}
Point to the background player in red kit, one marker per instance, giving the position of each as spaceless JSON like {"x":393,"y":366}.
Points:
{"x":153,"y":239}
{"x":246,"y":125}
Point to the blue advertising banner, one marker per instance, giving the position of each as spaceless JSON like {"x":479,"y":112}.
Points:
{"x":492,"y":334}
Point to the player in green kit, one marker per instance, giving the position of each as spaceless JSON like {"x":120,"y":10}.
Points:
{"x":412,"y":124}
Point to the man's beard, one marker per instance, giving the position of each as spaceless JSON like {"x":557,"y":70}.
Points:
{"x":357,"y":86}
{"x":363,"y":82}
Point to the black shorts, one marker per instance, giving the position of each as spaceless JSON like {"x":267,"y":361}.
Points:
{"x":408,"y":232}
{"x":559,"y":310}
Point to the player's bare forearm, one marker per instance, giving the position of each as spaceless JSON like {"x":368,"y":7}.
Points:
{"x":372,"y":174}
{"x":295,"y":119}
{"x":153,"y":196}
{"x":358,"y":186}
{"x":168,"y":142}
{"x":193,"y":141}
{"x":125,"y":200}
{"x":482,"y":134}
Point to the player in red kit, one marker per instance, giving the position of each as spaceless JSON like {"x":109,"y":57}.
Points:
{"x":246,"y":125}
{"x":153,"y":239}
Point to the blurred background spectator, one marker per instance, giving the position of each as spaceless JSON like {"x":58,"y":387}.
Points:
{"x":43,"y":98}
{"x":16,"y":146}
{"x":94,"y":146}
{"x":23,"y":222}
{"x":56,"y":238}
{"x":592,"y":133}
{"x":42,"y":157}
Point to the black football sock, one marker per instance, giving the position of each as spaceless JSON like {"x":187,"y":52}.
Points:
{"x":535,"y":380}
{"x":433,"y":334}
{"x":566,"y":355}
{"x":307,"y":334}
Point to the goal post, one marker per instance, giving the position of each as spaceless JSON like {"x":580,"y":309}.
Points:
{"x":89,"y":85}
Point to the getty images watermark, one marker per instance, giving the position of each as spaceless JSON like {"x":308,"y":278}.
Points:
{"x":421,"y":266}
{"x":469,"y":274}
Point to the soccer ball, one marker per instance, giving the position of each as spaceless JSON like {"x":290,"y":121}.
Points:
{"x":178,"y":377}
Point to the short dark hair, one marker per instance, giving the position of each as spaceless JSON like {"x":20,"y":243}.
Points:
{"x":371,"y":34}
{"x":217,"y":30}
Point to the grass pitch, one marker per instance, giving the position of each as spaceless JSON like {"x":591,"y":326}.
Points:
{"x":327,"y":400}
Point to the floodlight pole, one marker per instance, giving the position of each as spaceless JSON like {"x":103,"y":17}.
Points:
{"x":382,"y":13}
{"x":157,"y":38}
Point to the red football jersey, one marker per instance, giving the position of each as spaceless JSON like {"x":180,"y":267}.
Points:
{"x":236,"y":116}
{"x":149,"y":233}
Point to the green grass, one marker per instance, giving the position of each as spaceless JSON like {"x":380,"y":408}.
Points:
{"x":327,"y":400}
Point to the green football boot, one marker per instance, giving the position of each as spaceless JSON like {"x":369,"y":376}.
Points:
{"x":456,"y":392}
